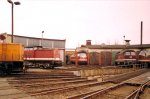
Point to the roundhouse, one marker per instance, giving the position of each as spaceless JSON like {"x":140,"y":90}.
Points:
{"x":105,"y":55}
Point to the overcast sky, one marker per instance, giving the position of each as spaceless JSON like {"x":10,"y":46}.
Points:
{"x":102,"y":21}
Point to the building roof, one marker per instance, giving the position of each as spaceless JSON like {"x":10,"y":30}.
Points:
{"x":117,"y":46}
{"x":37,"y":38}
{"x":36,"y":42}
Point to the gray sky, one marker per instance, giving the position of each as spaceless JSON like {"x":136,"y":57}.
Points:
{"x":102,"y":21}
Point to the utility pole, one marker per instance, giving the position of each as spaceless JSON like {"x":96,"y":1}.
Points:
{"x":12,"y":16}
{"x":42,"y":39}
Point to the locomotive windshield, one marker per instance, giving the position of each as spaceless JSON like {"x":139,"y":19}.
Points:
{"x":129,"y":53}
{"x":142,"y":53}
{"x":82,"y":54}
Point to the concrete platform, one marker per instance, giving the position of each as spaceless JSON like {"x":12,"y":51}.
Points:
{"x":140,"y":79}
{"x":9,"y":92}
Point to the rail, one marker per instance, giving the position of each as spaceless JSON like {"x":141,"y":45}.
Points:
{"x":136,"y":94}
{"x":44,"y":92}
{"x":93,"y":95}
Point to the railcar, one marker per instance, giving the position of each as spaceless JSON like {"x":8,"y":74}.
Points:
{"x":80,"y":57}
{"x":126,"y":57}
{"x":11,"y":58}
{"x":42,"y":57}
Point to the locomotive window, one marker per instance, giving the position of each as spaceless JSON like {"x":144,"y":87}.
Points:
{"x":132,"y":53}
{"x":82,"y":55}
{"x":148,"y":53}
{"x":142,"y":53}
{"x":127,"y":53}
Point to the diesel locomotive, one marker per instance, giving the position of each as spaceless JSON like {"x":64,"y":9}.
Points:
{"x":79,"y":57}
{"x":42,"y":57}
{"x":126,"y":57}
{"x":11,"y":58}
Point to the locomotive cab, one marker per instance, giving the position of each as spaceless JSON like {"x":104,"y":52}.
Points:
{"x":144,"y":58}
{"x":81,"y":58}
{"x":126,"y":57}
{"x":42,"y":57}
{"x":11,"y":58}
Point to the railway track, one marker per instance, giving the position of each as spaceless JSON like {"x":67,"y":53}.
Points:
{"x":113,"y":92}
{"x":47,"y":76}
{"x":145,"y":94}
{"x":136,"y":94}
{"x":50,"y":87}
{"x":121,"y":91}
{"x":67,"y":85}
{"x":71,"y":90}
{"x":43,"y":80}
{"x":53,"y":83}
{"x":126,"y":76}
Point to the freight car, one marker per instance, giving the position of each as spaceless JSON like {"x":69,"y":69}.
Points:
{"x":126,"y":57}
{"x":81,"y":59}
{"x":42,"y":57}
{"x":11,"y":58}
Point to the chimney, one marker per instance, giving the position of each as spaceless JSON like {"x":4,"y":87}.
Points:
{"x":141,"y":32}
{"x":88,"y":42}
{"x":127,"y":42}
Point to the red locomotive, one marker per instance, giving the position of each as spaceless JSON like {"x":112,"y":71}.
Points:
{"x":81,"y":58}
{"x":144,"y":57}
{"x":42,"y":57}
{"x":126,"y":57}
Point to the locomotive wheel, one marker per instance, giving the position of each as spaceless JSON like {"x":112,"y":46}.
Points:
{"x":51,"y":67}
{"x":41,"y":66}
{"x":1,"y":72}
{"x":46,"y":66}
